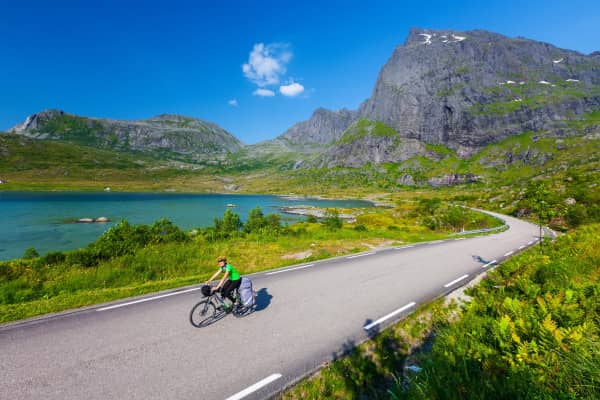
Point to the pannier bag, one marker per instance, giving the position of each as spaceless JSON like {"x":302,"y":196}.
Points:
{"x":246,"y":293}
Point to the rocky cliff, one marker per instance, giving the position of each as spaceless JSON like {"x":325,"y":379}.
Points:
{"x":173,"y":136}
{"x":463,"y":90}
{"x":323,"y":127}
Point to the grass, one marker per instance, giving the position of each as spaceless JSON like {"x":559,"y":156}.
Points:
{"x":363,"y":128}
{"x":514,"y":97}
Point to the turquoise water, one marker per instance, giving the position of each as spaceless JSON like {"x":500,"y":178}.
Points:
{"x":44,"y":221}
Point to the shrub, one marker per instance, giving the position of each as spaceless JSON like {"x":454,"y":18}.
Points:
{"x":82,"y":257}
{"x":52,"y":258}
{"x":229,"y":226}
{"x":163,"y":231}
{"x":332,"y":220}
{"x":256,"y":220}
{"x":30,"y":253}
{"x":119,"y":240}
{"x":311,"y":219}
{"x":576,"y":215}
{"x":273,"y":222}
{"x":456,"y":218}
{"x":360,"y":228}
{"x":429,"y":206}
{"x":430,"y":222}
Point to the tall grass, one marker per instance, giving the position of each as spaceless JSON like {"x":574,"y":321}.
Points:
{"x":532,"y":331}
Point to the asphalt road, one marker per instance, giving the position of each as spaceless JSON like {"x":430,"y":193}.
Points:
{"x":145,"y":348}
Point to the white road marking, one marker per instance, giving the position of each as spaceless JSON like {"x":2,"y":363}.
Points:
{"x":456,"y":280}
{"x":255,"y":387}
{"x":530,"y":243}
{"x":521,"y":247}
{"x":289,"y":269}
{"x":390,"y":315}
{"x":361,"y":255}
{"x":488,"y":264}
{"x":405,"y":247}
{"x":146,"y":299}
{"x":508,"y":254}
{"x":434,"y":242}
{"x":460,"y":239}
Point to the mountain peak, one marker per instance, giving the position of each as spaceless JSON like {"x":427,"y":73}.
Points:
{"x":33,"y":121}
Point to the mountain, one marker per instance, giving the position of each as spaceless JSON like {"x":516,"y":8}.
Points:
{"x":323,"y":127}
{"x":171,"y":136}
{"x":462,"y":90}
{"x":441,"y":98}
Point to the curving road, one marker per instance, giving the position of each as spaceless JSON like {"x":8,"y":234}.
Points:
{"x":145,"y":348}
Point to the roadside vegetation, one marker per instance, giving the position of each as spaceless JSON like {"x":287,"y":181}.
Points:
{"x":531,"y":330}
{"x":130,"y":260}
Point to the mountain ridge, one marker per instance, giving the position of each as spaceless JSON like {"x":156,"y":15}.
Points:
{"x":462,"y":90}
{"x":177,"y":136}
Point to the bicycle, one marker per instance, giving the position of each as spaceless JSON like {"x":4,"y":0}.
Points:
{"x":212,"y":308}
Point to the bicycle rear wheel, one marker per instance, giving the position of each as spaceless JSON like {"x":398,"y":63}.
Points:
{"x":241,"y":310}
{"x":203,"y":314}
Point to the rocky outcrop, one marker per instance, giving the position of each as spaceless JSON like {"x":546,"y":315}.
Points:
{"x":369,"y":142}
{"x":452,"y":179}
{"x":35,"y":122}
{"x":323,"y":127}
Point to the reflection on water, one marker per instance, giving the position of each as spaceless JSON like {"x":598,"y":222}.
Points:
{"x":44,"y":220}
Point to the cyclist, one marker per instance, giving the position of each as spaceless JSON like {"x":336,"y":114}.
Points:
{"x":228,"y":283}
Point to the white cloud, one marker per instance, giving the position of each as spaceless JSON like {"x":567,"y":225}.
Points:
{"x":264,"y":93}
{"x":233,"y":102}
{"x":291,"y":90}
{"x":267,"y":63}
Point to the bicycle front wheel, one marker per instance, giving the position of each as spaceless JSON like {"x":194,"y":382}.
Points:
{"x":203,"y":314}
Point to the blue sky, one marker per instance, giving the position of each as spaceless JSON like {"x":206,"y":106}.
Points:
{"x":253,"y":67}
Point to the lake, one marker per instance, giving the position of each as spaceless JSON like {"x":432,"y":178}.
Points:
{"x":45,"y":221}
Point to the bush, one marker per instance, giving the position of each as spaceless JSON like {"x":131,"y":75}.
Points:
{"x":30,"y":253}
{"x":82,"y":257}
{"x":229,"y":226}
{"x":163,"y":231}
{"x":119,"y":240}
{"x":456,"y":218}
{"x":52,"y":258}
{"x":430,"y":222}
{"x":360,"y":228}
{"x":332,"y":220}
{"x":576,"y":215}
{"x":256,"y":220}
{"x":429,"y":206}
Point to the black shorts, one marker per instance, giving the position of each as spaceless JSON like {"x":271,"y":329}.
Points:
{"x":229,"y":287}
